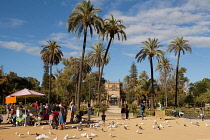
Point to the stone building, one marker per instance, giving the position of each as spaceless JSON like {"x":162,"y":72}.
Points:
{"x":114,"y":93}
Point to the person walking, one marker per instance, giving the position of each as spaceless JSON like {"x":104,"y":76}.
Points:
{"x":123,"y":112}
{"x":201,"y":114}
{"x":61,"y":119}
{"x":142,"y":108}
{"x":89,"y":111}
{"x":72,"y":109}
{"x":126,"y":111}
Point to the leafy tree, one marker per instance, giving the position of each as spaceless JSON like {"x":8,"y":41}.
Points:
{"x":84,"y":15}
{"x":51,"y":55}
{"x":133,"y":78}
{"x":150,"y":50}
{"x":165,"y":67}
{"x":45,"y":78}
{"x":178,"y":45}
{"x":112,"y":27}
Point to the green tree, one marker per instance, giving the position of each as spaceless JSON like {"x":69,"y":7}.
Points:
{"x":96,"y":56}
{"x":165,"y":67}
{"x":45,"y":78}
{"x":51,"y":55}
{"x":112,"y":27}
{"x":150,"y":50}
{"x":178,"y":45}
{"x":133,"y":78}
{"x":84,"y":16}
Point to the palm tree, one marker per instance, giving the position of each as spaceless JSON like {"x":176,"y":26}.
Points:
{"x":112,"y":27}
{"x":96,"y":56}
{"x":177,"y":45}
{"x":84,"y":16}
{"x":150,"y":50}
{"x":51,"y":55}
{"x":165,"y":67}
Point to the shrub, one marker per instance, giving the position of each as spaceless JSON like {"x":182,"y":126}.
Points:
{"x":100,"y":107}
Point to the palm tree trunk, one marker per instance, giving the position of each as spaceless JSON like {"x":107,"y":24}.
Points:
{"x":102,"y":67}
{"x":99,"y":83}
{"x":177,"y":76}
{"x":50,"y":84}
{"x":80,"y":70}
{"x":152,"y":90}
{"x":166,"y":96}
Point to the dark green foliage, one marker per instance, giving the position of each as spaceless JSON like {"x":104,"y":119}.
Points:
{"x":45,"y":78}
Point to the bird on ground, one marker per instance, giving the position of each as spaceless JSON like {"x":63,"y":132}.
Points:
{"x":206,"y":125}
{"x":137,"y":124}
{"x":74,"y":136}
{"x":168,"y":125}
{"x":67,"y":135}
{"x":94,"y":135}
{"x":140,"y":128}
{"x":197,"y":123}
{"x":161,"y":126}
{"x":37,"y":134}
{"x":158,"y":127}
{"x":125,"y":128}
{"x":42,"y":136}
{"x":177,"y":123}
{"x":28,"y":132}
{"x":192,"y":123}
{"x":142,"y":123}
{"x":137,"y":131}
{"x":16,"y":133}
{"x":84,"y":134}
{"x":110,"y":134}
{"x":56,"y":138}
{"x":102,"y":129}
{"x":89,"y":137}
{"x":42,"y":127}
{"x":185,"y":125}
{"x":50,"y":133}
{"x":19,"y":135}
{"x":153,"y":127}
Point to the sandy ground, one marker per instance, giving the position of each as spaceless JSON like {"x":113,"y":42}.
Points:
{"x":180,"y":129}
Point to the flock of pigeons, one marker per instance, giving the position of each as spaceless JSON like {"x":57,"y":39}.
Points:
{"x":100,"y":126}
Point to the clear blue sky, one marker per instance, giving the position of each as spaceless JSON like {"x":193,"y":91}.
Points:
{"x":25,"y":25}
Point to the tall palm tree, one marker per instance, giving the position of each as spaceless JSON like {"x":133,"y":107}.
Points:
{"x":112,"y":27}
{"x":178,"y":45}
{"x":150,"y":50}
{"x":84,"y":16}
{"x":51,"y":55}
{"x":165,"y":67}
{"x":96,"y":56}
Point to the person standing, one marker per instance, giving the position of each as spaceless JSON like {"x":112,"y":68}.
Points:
{"x":201,"y":113}
{"x":126,"y":111}
{"x":72,"y":109}
{"x":123,"y":112}
{"x":89,"y":111}
{"x":7,"y":111}
{"x":142,"y":108}
{"x":103,"y":117}
{"x":61,"y":119}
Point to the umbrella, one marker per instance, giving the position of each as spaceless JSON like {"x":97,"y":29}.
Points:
{"x":26,"y":93}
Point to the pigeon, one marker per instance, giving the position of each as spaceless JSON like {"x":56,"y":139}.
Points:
{"x":19,"y":135}
{"x":206,"y":125}
{"x":94,"y":135}
{"x":84,"y":134}
{"x":125,"y":128}
{"x":140,"y":128}
{"x":42,"y":127}
{"x":89,"y":137}
{"x":177,"y":122}
{"x":185,"y":125}
{"x":137,"y":131}
{"x":168,"y":125}
{"x":28,"y":132}
{"x":158,"y":127}
{"x":50,"y":133}
{"x":16,"y":133}
{"x":56,"y":138}
{"x":153,"y":127}
{"x":37,"y":134}
{"x":137,"y":124}
{"x":110,"y":134}
{"x":42,"y":136}
{"x":161,"y":126}
{"x":142,"y":123}
{"x":197,"y":123}
{"x":73,"y":136}
{"x":102,"y":129}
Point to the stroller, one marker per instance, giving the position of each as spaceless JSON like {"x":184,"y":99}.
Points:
{"x":53,"y":117}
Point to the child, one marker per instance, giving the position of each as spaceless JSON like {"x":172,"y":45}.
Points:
{"x":1,"y":118}
{"x":103,"y":116}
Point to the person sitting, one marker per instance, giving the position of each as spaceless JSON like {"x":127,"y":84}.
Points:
{"x":180,"y":112}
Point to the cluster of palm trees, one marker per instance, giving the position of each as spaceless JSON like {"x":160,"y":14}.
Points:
{"x":83,"y":18}
{"x":152,"y":49}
